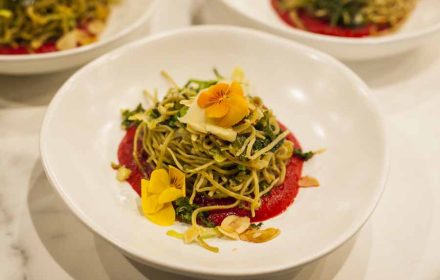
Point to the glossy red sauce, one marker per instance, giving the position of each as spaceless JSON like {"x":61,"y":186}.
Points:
{"x":320,"y":26}
{"x":272,"y":204}
{"x":46,"y":48}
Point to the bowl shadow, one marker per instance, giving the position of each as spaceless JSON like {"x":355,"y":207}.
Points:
{"x":395,"y":69}
{"x":31,"y":90}
{"x":84,"y":255}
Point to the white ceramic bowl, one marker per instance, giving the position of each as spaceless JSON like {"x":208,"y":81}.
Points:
{"x":317,"y":97}
{"x":128,"y":20}
{"x":420,"y":28}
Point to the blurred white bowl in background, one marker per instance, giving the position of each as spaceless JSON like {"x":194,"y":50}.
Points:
{"x":129,"y":19}
{"x":419,"y":29}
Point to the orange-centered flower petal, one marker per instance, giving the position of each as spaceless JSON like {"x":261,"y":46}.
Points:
{"x":213,"y":95}
{"x":177,"y":179}
{"x":224,"y":103}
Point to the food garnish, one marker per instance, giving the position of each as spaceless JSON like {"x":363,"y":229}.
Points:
{"x":216,"y":158}
{"x":307,"y":182}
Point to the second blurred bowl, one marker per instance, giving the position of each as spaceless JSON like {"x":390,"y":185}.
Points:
{"x":422,"y":26}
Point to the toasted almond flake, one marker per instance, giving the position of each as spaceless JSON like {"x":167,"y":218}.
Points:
{"x":123,"y":174}
{"x":96,"y":27}
{"x":230,"y":235}
{"x":259,"y":236}
{"x":115,"y":165}
{"x":235,"y":223}
{"x":84,"y":38}
{"x":68,"y":41}
{"x":307,"y":182}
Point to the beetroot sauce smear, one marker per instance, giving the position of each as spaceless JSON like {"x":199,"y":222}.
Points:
{"x":46,"y":48}
{"x":272,"y":204}
{"x":320,"y":26}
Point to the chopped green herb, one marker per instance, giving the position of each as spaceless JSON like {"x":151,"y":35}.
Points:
{"x":126,"y":114}
{"x":256,"y":226}
{"x":184,"y":212}
{"x":305,"y":156}
{"x":260,"y":144}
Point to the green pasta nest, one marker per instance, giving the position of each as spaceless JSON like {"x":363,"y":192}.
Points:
{"x":245,"y":169}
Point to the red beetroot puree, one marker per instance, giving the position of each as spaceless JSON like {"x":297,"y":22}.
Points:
{"x":272,"y":204}
{"x":48,"y":47}
{"x":320,"y":26}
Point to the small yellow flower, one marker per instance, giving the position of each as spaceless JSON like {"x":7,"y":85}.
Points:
{"x":158,"y":193}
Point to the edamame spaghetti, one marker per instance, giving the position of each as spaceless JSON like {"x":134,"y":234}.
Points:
{"x":211,"y":155}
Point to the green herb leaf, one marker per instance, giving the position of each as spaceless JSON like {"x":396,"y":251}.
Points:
{"x":256,"y":226}
{"x":184,"y":212}
{"x":305,"y":156}
{"x":126,"y":114}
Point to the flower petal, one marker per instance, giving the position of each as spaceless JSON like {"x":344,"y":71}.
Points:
{"x":164,"y":217}
{"x":239,"y":108}
{"x":217,"y":110}
{"x":177,"y":179}
{"x":169,"y":195}
{"x":159,"y":181}
{"x":150,"y":204}
{"x":236,"y":89}
{"x":212,"y":95}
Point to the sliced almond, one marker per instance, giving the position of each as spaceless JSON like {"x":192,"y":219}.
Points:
{"x":84,"y":38}
{"x":230,"y":235}
{"x":68,"y":41}
{"x":259,"y":235}
{"x":235,"y":223}
{"x":96,"y":27}
{"x":307,"y":182}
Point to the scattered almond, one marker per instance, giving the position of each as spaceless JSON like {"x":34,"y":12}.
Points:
{"x":230,"y":235}
{"x":235,"y":223}
{"x":68,"y":41}
{"x":123,"y":174}
{"x":259,"y":235}
{"x":307,"y":182}
{"x":96,"y":27}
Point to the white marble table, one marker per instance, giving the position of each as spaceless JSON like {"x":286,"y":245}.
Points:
{"x":40,"y":238}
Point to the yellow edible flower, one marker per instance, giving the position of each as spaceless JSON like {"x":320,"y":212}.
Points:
{"x":225,"y":104}
{"x":158,"y":193}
